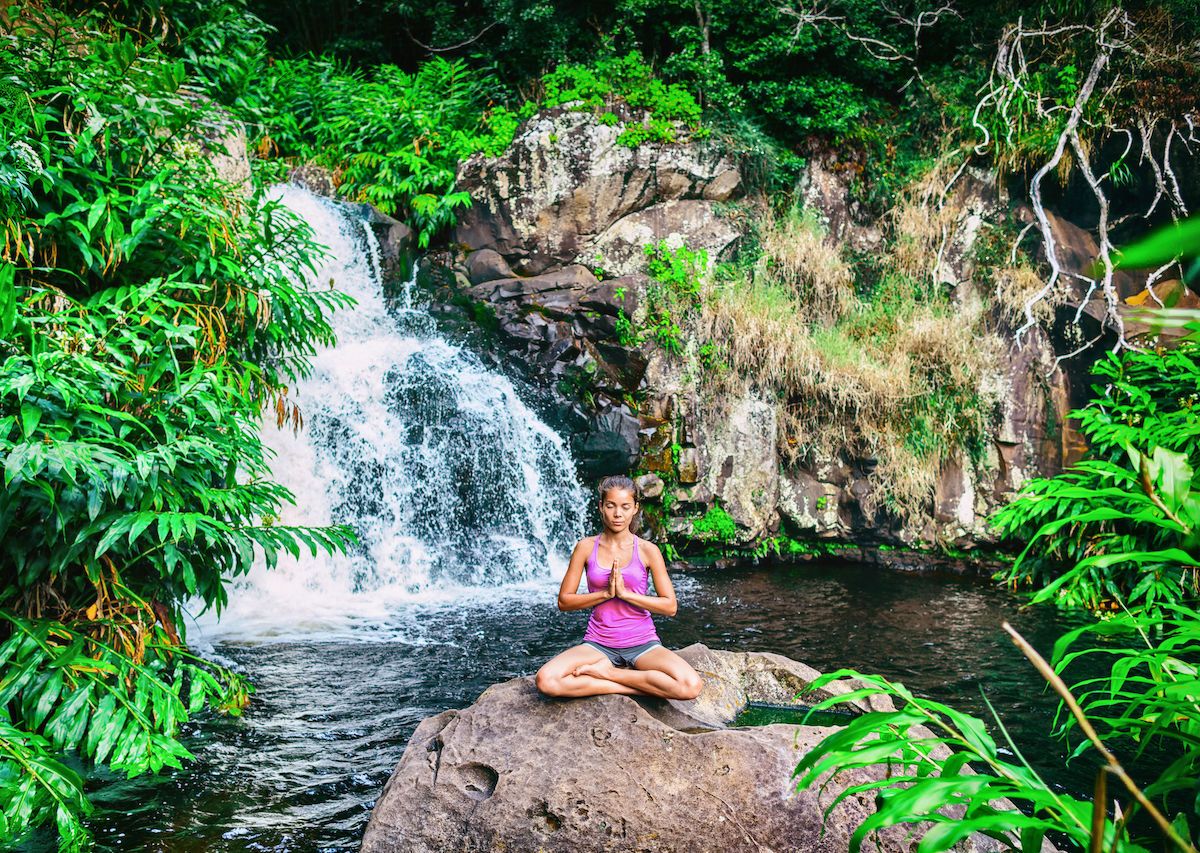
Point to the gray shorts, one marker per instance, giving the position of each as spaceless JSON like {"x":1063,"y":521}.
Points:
{"x":626,"y":656}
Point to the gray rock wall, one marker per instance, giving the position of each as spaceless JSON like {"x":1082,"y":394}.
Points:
{"x":552,"y":249}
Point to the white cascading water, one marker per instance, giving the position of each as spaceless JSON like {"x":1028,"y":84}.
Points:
{"x":457,"y":490}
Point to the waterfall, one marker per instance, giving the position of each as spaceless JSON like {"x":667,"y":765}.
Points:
{"x":457,"y":490}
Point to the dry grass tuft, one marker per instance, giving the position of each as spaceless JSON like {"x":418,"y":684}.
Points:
{"x":899,"y":378}
{"x":923,"y":221}
{"x":797,"y":255}
{"x":1016,"y":285}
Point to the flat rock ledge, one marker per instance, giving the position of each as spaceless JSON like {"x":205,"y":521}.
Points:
{"x":518,"y":771}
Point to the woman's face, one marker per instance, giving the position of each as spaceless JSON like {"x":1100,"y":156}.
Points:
{"x":617,"y":508}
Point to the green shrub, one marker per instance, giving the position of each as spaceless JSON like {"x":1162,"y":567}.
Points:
{"x":393,"y":138}
{"x":1123,"y":524}
{"x":676,"y":276}
{"x":627,"y":78}
{"x":149,"y":313}
{"x":626,"y":335}
{"x":716,"y":525}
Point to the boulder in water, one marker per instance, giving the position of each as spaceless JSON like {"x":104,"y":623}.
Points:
{"x":519,"y":771}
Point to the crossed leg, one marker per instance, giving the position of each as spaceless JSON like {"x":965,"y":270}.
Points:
{"x":560,"y":675}
{"x":585,"y":671}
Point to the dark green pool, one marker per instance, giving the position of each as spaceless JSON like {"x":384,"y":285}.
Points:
{"x":762,"y":714}
{"x":331,"y":717}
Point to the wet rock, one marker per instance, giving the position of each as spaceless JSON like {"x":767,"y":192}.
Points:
{"x":519,"y":771}
{"x":743,"y":469}
{"x":314,"y":178}
{"x":649,"y":486}
{"x":566,"y":285}
{"x":825,"y":189}
{"x":396,"y":244}
{"x":694,"y":222}
{"x":616,"y":295}
{"x":605,"y":451}
{"x":487,"y":265}
{"x":689,"y":465}
{"x":808,"y":504}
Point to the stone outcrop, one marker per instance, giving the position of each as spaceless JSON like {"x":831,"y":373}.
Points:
{"x":552,"y":251}
{"x":519,"y":771}
{"x":565,"y":190}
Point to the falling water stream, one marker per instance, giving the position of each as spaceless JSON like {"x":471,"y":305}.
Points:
{"x":455,"y":487}
{"x":466,"y":505}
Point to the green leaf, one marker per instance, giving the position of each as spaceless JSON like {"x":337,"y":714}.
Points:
{"x":1179,"y":239}
{"x":8,"y":300}
{"x":31,"y":416}
{"x":1173,"y":475}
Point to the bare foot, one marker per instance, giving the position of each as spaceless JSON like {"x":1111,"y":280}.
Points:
{"x":599,"y":669}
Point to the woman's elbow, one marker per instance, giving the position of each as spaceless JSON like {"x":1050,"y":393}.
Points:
{"x":672,"y":608}
{"x":563,"y":604}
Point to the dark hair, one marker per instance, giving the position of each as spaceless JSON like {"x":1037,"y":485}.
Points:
{"x":618,"y":481}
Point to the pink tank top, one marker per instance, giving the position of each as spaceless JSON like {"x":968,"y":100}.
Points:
{"x":616,"y":623}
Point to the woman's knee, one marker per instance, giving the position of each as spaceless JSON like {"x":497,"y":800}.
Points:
{"x":547,"y":682}
{"x":689,"y":686}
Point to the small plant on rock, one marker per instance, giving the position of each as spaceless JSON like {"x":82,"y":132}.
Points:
{"x":716,"y":525}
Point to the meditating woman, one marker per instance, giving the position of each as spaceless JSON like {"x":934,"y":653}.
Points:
{"x":621,"y":652}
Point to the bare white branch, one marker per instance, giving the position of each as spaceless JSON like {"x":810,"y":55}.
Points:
{"x":1176,"y":195}
{"x":1035,"y":189}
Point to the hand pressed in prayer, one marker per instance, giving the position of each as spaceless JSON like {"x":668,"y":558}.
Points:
{"x":617,"y":582}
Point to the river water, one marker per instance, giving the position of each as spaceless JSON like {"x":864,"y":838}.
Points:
{"x":331,"y":718}
{"x":466,"y":504}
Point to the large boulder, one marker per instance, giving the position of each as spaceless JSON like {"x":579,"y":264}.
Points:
{"x":565,"y":191}
{"x":518,"y":771}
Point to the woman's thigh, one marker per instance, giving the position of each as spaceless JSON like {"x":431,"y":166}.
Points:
{"x":663,"y":659}
{"x":564,"y":663}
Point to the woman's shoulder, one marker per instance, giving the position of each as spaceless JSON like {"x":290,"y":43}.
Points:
{"x":586,"y":543}
{"x":647,"y":550}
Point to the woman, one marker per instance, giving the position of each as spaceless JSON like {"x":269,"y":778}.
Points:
{"x":621,"y":652}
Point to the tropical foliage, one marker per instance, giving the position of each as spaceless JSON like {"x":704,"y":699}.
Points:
{"x":151,"y":309}
{"x":1127,"y":519}
{"x":1119,"y":531}
{"x":611,"y":83}
{"x":390,"y":137}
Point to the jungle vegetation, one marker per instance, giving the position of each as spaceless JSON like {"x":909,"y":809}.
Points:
{"x":151,"y":313}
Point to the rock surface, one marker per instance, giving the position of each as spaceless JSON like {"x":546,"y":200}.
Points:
{"x":552,"y":251}
{"x":565,"y":190}
{"x":550,"y":258}
{"x":518,"y":771}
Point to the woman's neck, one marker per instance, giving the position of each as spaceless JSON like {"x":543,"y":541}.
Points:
{"x":610,"y":538}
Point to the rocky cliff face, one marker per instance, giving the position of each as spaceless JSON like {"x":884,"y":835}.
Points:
{"x":552,"y":252}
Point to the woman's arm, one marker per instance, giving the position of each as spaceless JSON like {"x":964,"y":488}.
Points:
{"x":664,"y":603}
{"x":569,"y":597}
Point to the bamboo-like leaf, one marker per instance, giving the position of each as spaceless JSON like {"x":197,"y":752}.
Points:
{"x":1179,"y":239}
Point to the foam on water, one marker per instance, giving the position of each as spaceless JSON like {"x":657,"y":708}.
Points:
{"x":458,"y":492}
